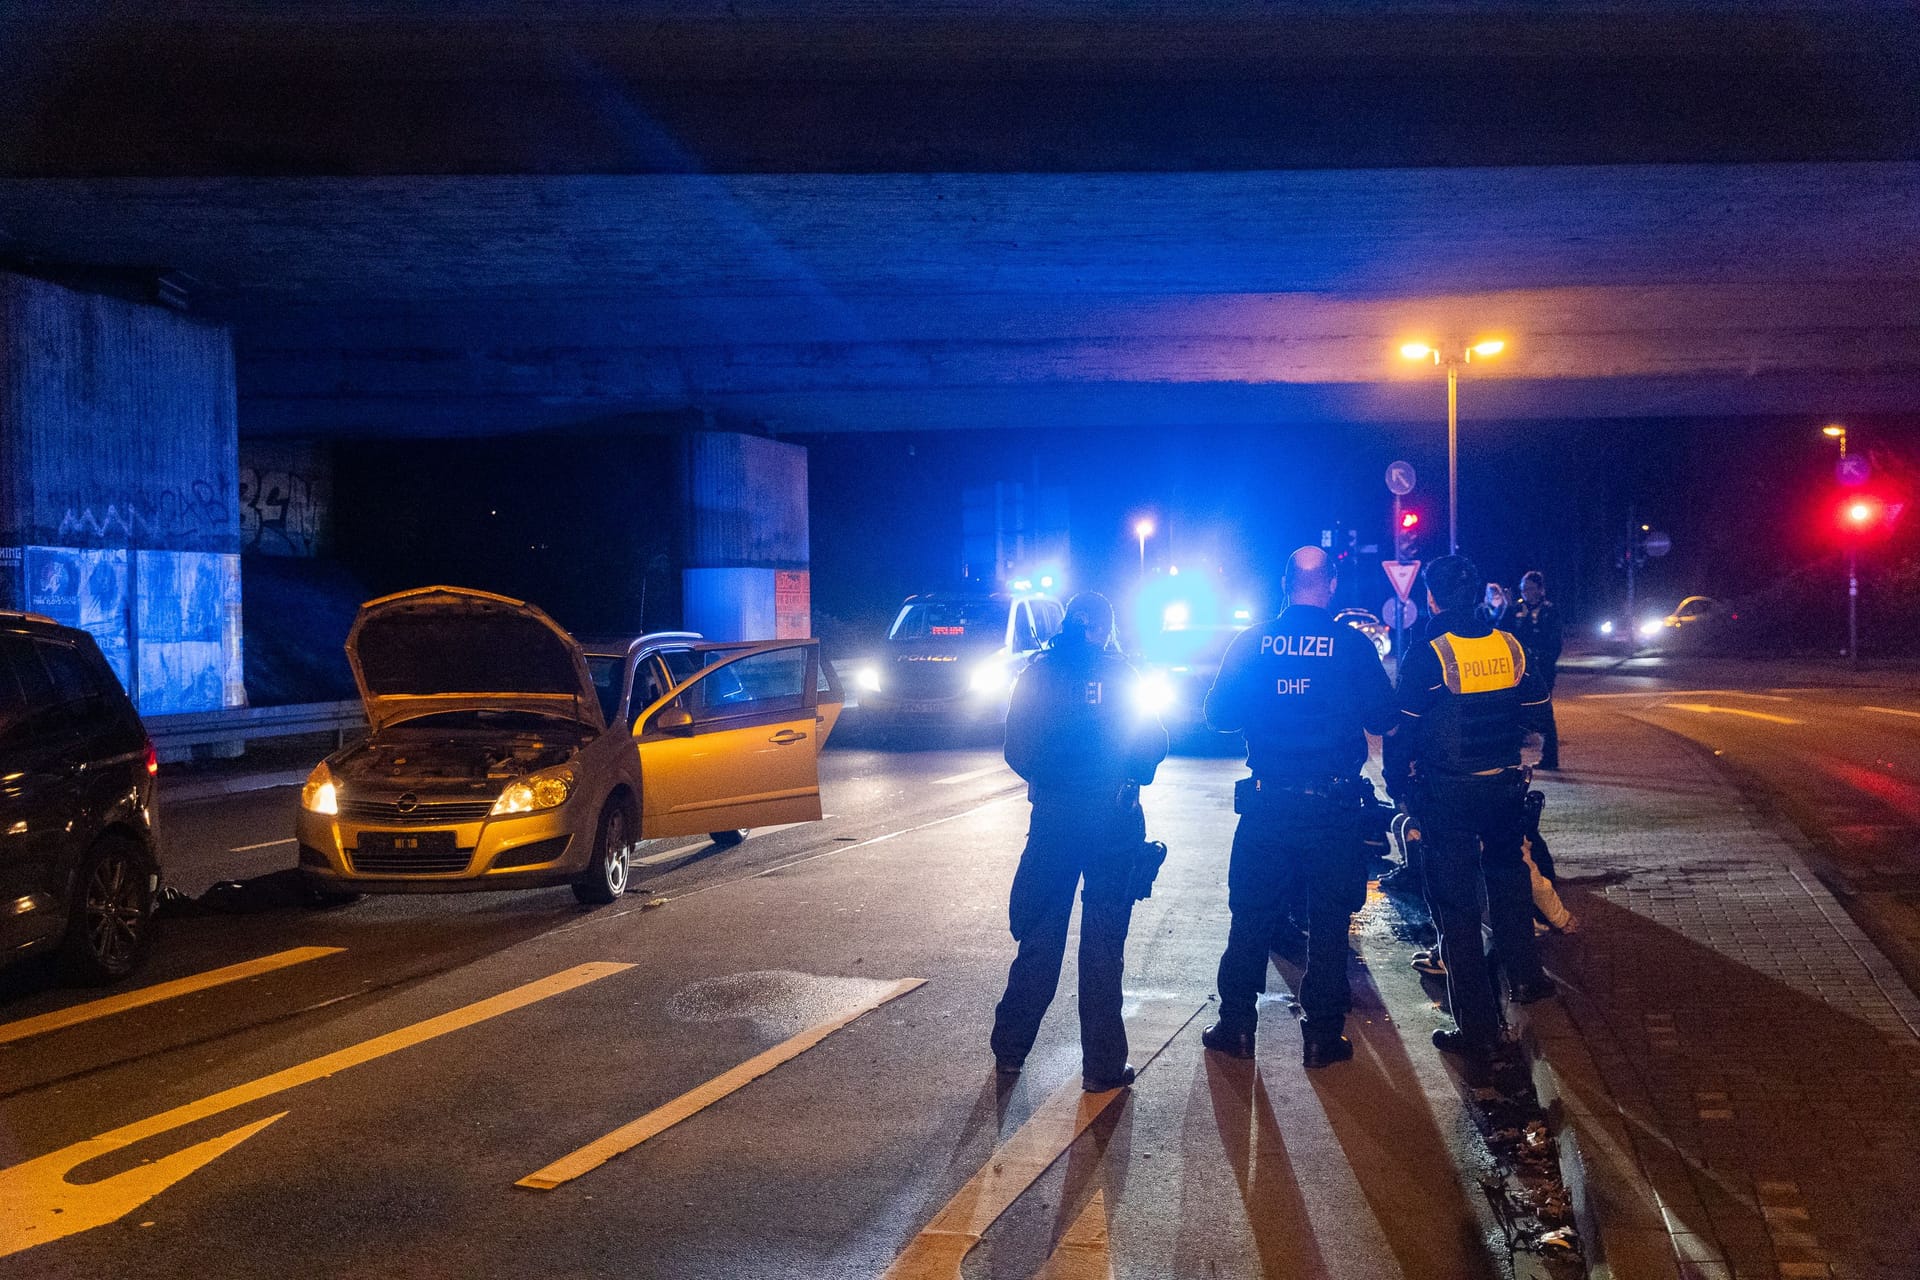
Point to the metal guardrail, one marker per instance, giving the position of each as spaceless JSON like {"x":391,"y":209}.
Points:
{"x":175,"y":737}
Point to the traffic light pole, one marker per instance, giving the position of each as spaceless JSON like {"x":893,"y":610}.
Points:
{"x":1853,"y":604}
{"x":1453,"y":458}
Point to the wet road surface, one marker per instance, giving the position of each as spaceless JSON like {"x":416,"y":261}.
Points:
{"x":765,"y":1061}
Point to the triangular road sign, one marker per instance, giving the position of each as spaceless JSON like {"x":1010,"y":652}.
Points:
{"x":1401,"y":573}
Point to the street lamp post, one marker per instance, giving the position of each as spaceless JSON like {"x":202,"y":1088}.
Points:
{"x":1834,"y":431}
{"x":1421,"y":351}
{"x":1143,"y":529}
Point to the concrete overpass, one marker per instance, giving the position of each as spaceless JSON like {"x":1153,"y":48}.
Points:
{"x":492,"y":217}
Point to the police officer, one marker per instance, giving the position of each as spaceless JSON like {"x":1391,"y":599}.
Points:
{"x":1535,"y":623}
{"x":1465,"y":700}
{"x":1076,"y":733}
{"x":1305,"y":690}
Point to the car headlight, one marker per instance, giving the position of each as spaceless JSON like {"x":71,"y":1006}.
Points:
{"x":1606,"y":628}
{"x":532,"y":794}
{"x":1650,"y":628}
{"x":867,"y":679}
{"x":988,"y":677}
{"x":1154,"y":694}
{"x":320,"y":795}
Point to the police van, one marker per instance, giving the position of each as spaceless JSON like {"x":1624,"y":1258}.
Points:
{"x":952,"y":657}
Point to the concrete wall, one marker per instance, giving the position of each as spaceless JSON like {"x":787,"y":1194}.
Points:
{"x":286,"y":498}
{"x":118,"y":475}
{"x":746,"y":574}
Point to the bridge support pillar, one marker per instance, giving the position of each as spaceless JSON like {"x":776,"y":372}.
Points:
{"x":118,"y":483}
{"x":746,"y":574}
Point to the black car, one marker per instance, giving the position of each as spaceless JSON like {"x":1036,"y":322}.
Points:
{"x":78,"y":870}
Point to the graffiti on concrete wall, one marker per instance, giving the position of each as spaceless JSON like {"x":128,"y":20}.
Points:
{"x":279,"y":513}
{"x":286,"y":497}
{"x":195,"y":515}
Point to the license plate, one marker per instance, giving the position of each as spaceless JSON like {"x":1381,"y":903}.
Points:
{"x":923,"y":708}
{"x":406,"y":842}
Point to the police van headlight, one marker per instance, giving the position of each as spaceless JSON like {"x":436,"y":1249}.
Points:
{"x":867,"y":679}
{"x":1154,"y":694}
{"x":1606,"y":628}
{"x":988,"y":678}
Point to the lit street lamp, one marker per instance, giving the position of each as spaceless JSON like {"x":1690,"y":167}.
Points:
{"x":1421,"y":351}
{"x":1143,"y":529}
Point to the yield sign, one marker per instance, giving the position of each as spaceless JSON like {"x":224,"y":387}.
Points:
{"x":1401,"y":574}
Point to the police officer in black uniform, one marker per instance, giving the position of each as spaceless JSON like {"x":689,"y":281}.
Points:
{"x":1535,"y":623}
{"x":1305,"y":690}
{"x":1465,"y":700}
{"x":1076,"y":733}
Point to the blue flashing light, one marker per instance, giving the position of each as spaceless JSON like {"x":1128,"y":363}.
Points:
{"x":1023,"y":584}
{"x":1046,"y":582}
{"x":1176,"y":616}
{"x":1243,"y":615}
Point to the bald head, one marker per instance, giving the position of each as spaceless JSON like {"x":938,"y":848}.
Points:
{"x":1310,"y":577}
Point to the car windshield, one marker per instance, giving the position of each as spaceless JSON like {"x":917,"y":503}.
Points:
{"x":960,"y":621}
{"x":607,"y":671}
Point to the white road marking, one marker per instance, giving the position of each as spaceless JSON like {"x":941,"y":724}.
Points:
{"x":266,"y":844}
{"x":1707,"y":709}
{"x":660,"y":1119}
{"x":969,"y":775}
{"x":38,"y":1204}
{"x":61,"y":1018}
{"x":1017,"y":1163}
{"x":1690,"y":693}
{"x":1084,"y":1252}
{"x":1893,"y":711}
{"x":668,"y":855}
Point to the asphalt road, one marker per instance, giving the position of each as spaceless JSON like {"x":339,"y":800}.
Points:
{"x":373,"y":1098}
{"x":1837,"y":764}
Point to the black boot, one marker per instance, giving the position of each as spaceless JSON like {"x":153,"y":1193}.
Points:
{"x":1121,"y":1081}
{"x":1231,"y":1041}
{"x":1324,"y":1048}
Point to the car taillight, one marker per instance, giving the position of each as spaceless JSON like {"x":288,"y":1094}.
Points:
{"x":153,"y":759}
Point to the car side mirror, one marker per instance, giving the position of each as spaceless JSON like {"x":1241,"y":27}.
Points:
{"x":674,"y":720}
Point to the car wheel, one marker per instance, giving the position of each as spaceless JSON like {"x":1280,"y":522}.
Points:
{"x":726,"y":839}
{"x":605,"y":878}
{"x":110,"y":924}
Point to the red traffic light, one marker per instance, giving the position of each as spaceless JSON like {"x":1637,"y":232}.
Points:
{"x":1864,"y":514}
{"x":1409,"y":519}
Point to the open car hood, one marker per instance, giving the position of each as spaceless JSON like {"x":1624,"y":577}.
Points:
{"x":453,"y":649}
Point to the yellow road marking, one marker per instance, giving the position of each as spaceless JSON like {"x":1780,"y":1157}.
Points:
{"x":1016,"y":1164}
{"x":660,"y":1119}
{"x":1707,"y":709}
{"x":59,"y":1018}
{"x":1083,"y":1253}
{"x":1893,"y":711}
{"x":38,"y":1204}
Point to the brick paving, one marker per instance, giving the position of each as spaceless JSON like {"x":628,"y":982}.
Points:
{"x":1739,"y":1063}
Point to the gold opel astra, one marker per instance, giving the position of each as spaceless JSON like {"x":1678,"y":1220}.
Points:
{"x":505,"y":754}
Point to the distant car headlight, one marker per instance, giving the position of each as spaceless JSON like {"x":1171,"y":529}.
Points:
{"x":1154,"y":694}
{"x":531,"y":795}
{"x":1606,"y":628}
{"x":1651,"y":628}
{"x":320,"y":795}
{"x":988,"y":677}
{"x":867,"y":679}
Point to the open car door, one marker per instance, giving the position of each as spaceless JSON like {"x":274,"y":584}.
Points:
{"x":737,"y":744}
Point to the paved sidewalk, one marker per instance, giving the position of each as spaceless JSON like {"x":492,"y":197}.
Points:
{"x":1740,"y":1065}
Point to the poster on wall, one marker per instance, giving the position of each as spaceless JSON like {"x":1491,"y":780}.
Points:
{"x":188,"y":623}
{"x":85,"y":589}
